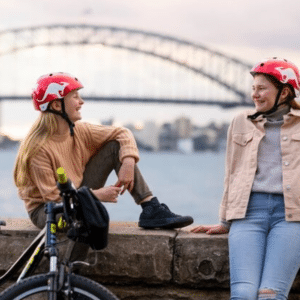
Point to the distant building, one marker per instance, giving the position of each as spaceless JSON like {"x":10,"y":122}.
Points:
{"x":220,"y":129}
{"x":142,"y":146}
{"x":148,"y":134}
{"x":184,"y":127}
{"x":107,"y":122}
{"x":6,"y":142}
{"x":168,"y":138}
{"x":205,"y":139}
{"x":185,"y":146}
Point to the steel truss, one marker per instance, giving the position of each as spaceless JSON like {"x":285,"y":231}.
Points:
{"x":226,"y":71}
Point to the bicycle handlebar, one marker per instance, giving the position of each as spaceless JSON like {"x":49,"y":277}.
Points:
{"x":68,"y":193}
{"x":63,"y":183}
{"x":62,"y":176}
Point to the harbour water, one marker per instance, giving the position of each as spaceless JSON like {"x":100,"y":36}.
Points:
{"x":190,"y":184}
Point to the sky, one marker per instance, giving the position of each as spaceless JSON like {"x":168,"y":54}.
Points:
{"x":250,"y":30}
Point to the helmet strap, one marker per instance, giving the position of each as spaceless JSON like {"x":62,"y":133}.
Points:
{"x":64,"y":115}
{"x":273,"y":109}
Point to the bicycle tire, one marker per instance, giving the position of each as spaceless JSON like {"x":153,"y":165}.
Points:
{"x":35,"y":288}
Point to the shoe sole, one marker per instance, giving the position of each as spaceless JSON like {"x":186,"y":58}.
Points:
{"x":166,"y":223}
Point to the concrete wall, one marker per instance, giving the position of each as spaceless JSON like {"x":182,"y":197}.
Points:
{"x":146,"y":264}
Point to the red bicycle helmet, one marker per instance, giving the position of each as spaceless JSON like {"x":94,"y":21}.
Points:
{"x":283,"y":70}
{"x":51,"y":87}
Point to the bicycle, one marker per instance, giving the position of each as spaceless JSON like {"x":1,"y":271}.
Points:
{"x":60,"y":282}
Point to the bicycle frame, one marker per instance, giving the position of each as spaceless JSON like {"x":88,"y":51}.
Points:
{"x":45,"y":242}
{"x":38,"y":242}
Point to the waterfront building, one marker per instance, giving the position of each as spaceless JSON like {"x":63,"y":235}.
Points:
{"x":184,"y":127}
{"x":168,"y":138}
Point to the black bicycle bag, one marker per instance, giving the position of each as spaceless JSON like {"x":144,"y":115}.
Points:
{"x":94,"y":218}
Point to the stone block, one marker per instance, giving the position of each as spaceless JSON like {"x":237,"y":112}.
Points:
{"x":135,"y":255}
{"x":166,"y":292}
{"x":201,"y":261}
{"x":14,"y":241}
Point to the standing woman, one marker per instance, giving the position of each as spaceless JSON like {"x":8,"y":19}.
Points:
{"x":88,"y":153}
{"x":261,"y":202}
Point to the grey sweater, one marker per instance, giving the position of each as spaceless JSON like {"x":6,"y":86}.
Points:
{"x":268,"y":177}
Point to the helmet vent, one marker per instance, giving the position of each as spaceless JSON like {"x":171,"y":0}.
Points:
{"x":51,"y":74}
{"x":262,"y":64}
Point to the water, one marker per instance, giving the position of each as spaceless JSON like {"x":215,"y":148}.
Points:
{"x":190,"y":184}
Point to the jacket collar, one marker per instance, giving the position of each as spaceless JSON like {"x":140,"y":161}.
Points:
{"x":258,"y":119}
{"x":292,"y":112}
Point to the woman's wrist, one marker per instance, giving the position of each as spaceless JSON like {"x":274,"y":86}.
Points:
{"x":128,"y":160}
{"x":226,"y":224}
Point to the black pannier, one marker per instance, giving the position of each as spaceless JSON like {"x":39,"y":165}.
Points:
{"x":94,"y":218}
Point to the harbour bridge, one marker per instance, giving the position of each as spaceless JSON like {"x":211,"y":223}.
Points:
{"x":218,"y":71}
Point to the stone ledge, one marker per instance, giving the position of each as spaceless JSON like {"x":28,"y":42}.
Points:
{"x":136,"y":255}
{"x":201,"y":260}
{"x":143,"y":264}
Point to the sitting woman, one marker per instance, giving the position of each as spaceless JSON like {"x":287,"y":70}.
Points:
{"x":87,"y":152}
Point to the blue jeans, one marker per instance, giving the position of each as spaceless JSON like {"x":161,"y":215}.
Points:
{"x":264,"y":250}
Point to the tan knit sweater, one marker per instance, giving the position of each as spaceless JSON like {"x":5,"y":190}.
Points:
{"x":71,"y":153}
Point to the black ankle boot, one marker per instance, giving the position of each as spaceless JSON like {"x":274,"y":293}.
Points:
{"x":156,"y":215}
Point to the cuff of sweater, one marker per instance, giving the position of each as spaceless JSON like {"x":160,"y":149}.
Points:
{"x":133,"y":155}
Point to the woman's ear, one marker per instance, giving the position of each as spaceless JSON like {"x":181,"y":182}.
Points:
{"x":285,"y":92}
{"x":56,"y":105}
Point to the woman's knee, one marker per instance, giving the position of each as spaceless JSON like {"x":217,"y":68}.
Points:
{"x":244,"y":291}
{"x":106,"y":154}
{"x":269,"y":294}
{"x":114,"y":145}
{"x":101,"y":165}
{"x":111,"y":147}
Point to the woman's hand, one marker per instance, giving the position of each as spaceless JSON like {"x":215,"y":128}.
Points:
{"x":211,"y":229}
{"x":126,"y":175}
{"x":108,"y":194}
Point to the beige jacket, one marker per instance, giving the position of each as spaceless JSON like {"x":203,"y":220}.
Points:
{"x":244,"y":136}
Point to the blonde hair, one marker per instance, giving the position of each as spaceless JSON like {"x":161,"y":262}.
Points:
{"x":43,"y":128}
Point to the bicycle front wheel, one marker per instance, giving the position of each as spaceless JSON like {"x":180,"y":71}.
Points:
{"x":36,"y":288}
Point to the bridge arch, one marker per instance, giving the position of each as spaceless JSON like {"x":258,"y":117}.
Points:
{"x":226,"y":71}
